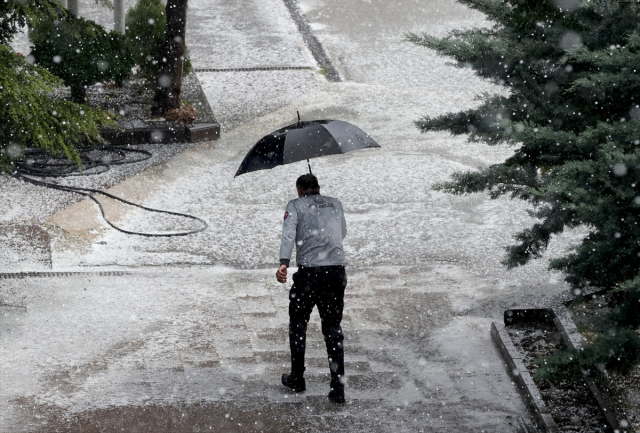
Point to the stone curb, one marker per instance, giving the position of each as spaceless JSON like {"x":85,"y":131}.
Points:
{"x":559,"y":316}
{"x":257,"y":68}
{"x":162,"y":135}
{"x":312,"y":41}
{"x":522,"y":378}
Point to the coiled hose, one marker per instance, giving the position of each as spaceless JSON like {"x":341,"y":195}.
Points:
{"x":95,"y":160}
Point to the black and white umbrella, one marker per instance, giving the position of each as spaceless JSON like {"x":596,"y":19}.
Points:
{"x":304,"y":140}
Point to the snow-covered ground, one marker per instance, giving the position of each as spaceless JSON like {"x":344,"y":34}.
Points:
{"x":394,"y":215}
{"x":211,"y":339}
{"x":203,"y":314}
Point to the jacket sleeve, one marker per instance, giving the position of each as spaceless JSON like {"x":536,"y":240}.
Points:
{"x":344,"y":222}
{"x":289,"y":229}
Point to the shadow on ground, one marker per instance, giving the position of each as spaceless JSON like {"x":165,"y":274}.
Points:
{"x":257,"y":415}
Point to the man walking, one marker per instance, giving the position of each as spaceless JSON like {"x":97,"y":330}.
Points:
{"x":317,"y":226}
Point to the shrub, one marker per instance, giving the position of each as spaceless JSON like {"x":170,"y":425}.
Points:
{"x":186,"y":65}
{"x":29,"y":117}
{"x":146,"y":23}
{"x":81,"y":53}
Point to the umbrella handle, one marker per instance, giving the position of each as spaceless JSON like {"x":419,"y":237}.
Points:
{"x":309,"y":166}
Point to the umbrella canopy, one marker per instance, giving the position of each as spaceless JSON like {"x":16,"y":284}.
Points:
{"x":304,"y":140}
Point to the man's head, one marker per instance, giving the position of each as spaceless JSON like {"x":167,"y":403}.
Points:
{"x":307,"y":183}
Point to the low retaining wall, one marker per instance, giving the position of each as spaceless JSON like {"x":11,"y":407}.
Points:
{"x":165,"y":135}
{"x":522,"y":378}
{"x":559,"y":316}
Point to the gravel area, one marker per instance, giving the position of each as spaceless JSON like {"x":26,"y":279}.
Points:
{"x":572,"y":405}
{"x":130,"y":104}
{"x":25,"y":203}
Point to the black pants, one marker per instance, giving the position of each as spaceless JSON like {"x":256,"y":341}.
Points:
{"x":322,"y":286}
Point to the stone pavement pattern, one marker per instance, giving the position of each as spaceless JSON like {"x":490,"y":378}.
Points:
{"x":214,"y":342}
{"x":198,"y":330}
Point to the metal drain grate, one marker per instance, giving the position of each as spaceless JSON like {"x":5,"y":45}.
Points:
{"x":20,"y":275}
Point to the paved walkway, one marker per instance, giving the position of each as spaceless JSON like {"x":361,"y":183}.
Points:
{"x":88,"y":351}
{"x":194,"y":339}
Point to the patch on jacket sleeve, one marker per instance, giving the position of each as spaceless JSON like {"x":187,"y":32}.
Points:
{"x":286,"y":214}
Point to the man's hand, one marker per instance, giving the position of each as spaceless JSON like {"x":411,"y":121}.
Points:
{"x":281,"y":274}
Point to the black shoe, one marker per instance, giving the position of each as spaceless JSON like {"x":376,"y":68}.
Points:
{"x":337,"y":396}
{"x":296,"y":383}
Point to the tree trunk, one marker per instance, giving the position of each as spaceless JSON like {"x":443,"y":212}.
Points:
{"x":79,"y":93}
{"x":169,"y":80}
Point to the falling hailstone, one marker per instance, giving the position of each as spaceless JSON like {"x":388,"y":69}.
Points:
{"x":620,"y":169}
{"x":102,"y":65}
{"x":567,"y":5}
{"x":14,"y":151}
{"x":570,"y":41}
{"x":164,"y":81}
{"x":157,"y":136}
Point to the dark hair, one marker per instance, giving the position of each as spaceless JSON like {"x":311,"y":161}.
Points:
{"x":308,"y":182}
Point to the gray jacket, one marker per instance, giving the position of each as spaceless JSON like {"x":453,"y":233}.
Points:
{"x":316,"y":224}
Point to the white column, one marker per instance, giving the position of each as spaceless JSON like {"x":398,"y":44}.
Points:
{"x":118,"y":16}
{"x":64,"y":3}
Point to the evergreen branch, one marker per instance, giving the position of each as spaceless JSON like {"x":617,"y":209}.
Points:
{"x":534,"y":240}
{"x":614,"y":346}
{"x":16,"y":14}
{"x":496,"y":179}
{"x":494,"y":10}
{"x":29,"y":117}
{"x":617,"y":351}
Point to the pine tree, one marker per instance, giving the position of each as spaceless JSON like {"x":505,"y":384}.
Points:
{"x":16,"y":14}
{"x":81,"y":52}
{"x":29,"y":117}
{"x":573,"y":116}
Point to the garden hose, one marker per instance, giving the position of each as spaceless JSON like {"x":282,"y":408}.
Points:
{"x":39,"y":164}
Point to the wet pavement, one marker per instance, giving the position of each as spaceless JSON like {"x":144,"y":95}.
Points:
{"x":194,"y":336}
{"x":181,"y":350}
